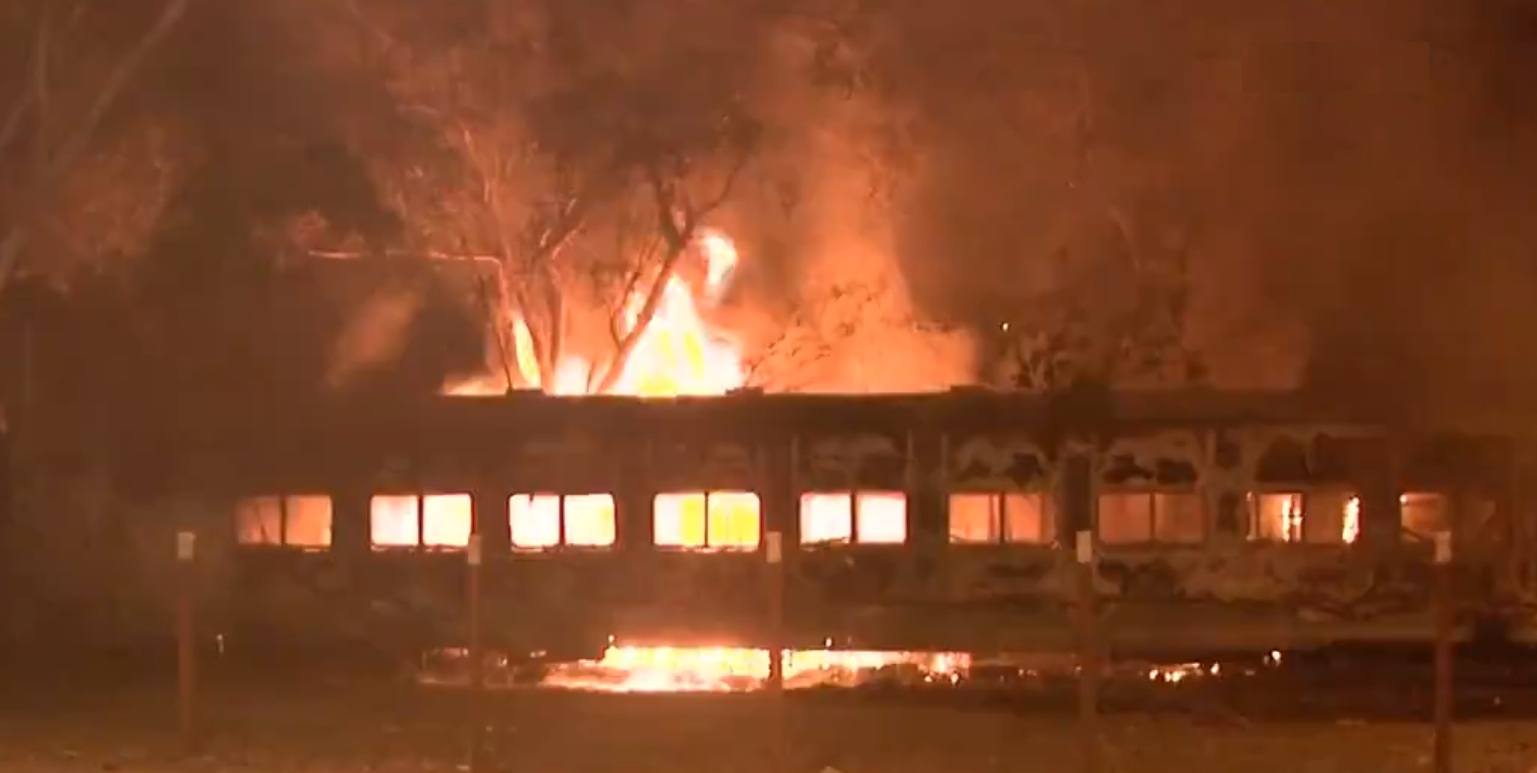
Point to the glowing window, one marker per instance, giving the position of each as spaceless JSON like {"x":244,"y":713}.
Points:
{"x":259,"y":521}
{"x":1317,"y":517}
{"x":1421,"y":516}
{"x":446,"y":520}
{"x":1132,"y":517}
{"x":590,"y":520}
{"x":394,"y":521}
{"x":307,"y":521}
{"x":302,"y":521}
{"x":412,"y":521}
{"x":543,"y":521}
{"x":992,"y":518}
{"x":714,"y":520}
{"x":866,"y":517}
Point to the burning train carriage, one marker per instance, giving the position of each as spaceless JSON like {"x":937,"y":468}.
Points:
{"x":937,"y":522}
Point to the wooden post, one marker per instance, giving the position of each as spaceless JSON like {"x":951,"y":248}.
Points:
{"x":1088,"y":655}
{"x":473,"y":557}
{"x":773,"y":554}
{"x":186,"y":641}
{"x":1444,"y":608}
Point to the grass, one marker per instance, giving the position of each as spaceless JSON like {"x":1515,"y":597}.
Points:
{"x":336,"y":727}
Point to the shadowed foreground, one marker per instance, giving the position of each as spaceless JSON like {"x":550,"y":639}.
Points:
{"x":335,"y":727}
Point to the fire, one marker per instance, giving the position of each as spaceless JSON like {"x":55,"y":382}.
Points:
{"x":627,"y":668}
{"x":677,"y":353}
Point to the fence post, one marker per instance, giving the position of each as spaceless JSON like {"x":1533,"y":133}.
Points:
{"x":1088,"y":654}
{"x":186,"y":641}
{"x":773,"y":554}
{"x":1444,"y":609}
{"x":473,"y":557}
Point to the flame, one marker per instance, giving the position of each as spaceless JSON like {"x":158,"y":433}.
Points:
{"x":677,"y":353}
{"x":630,"y":668}
{"x":1352,"y":521}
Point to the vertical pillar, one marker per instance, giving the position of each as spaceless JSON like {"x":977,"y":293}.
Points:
{"x":1445,"y":610}
{"x":1376,"y":466}
{"x":1088,"y":654}
{"x":186,"y":641}
{"x":9,"y":577}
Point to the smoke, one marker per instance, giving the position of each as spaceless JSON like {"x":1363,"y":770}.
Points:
{"x":1342,"y":189}
{"x":832,"y":300}
{"x":1339,"y":184}
{"x":374,"y":336}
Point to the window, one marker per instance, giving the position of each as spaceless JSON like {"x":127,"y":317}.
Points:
{"x":1314,"y":517}
{"x":1421,"y":516}
{"x":1019,"y":518}
{"x":866,"y":517}
{"x":714,"y":520}
{"x":1132,"y":517}
{"x":412,"y":520}
{"x":302,"y":521}
{"x":447,"y":520}
{"x":543,"y":521}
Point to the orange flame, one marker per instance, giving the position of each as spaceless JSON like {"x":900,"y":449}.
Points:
{"x":678,"y":352}
{"x":626,"y":668}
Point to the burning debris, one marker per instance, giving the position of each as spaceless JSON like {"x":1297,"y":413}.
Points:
{"x":632,"y":668}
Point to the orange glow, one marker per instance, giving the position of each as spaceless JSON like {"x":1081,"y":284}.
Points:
{"x":409,"y":520}
{"x":1317,"y":517}
{"x":978,"y":518}
{"x":1352,"y":521}
{"x":715,"y":520}
{"x":678,"y":353}
{"x":867,"y":517}
{"x":302,"y":521}
{"x":447,"y":520}
{"x":393,"y":521}
{"x":535,"y":520}
{"x":720,"y":669}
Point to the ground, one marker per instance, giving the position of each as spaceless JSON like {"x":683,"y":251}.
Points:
{"x":328,"y":725}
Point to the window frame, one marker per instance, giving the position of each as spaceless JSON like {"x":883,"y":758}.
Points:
{"x":1045,"y":506}
{"x":856,"y":500}
{"x":709,"y":546}
{"x":283,"y":543}
{"x":1307,"y":496}
{"x":1155,"y":494}
{"x":563,"y":543}
{"x":1410,"y":536}
{"x":421,"y":546}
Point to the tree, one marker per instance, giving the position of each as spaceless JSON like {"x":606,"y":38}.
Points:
{"x":63,"y":98}
{"x":584,"y":146}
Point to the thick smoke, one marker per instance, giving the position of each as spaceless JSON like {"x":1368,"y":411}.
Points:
{"x":1340,"y":188}
{"x":1345,"y":183}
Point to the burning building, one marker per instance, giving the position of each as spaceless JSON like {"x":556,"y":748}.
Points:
{"x":933,"y":522}
{"x":640,"y":522}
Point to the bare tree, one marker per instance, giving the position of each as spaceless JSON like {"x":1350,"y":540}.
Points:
{"x":61,"y":136}
{"x":565,"y":129}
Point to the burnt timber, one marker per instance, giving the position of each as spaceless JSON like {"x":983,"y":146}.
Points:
{"x":93,"y":532}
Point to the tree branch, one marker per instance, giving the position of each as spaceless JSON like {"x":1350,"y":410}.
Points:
{"x":678,"y":238}
{"x":15,"y":239}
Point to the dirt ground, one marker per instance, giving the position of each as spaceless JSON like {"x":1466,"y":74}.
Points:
{"x":334,"y":728}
